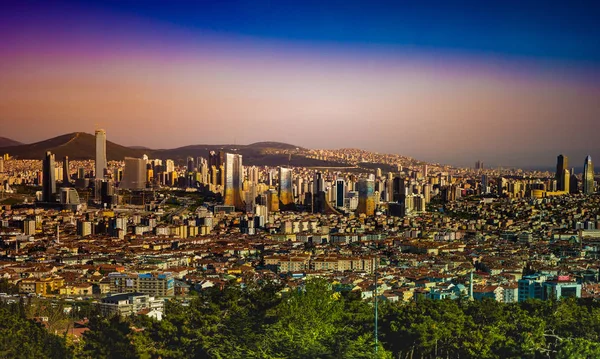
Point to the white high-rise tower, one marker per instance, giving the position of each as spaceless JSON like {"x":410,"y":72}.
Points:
{"x":100,"y":154}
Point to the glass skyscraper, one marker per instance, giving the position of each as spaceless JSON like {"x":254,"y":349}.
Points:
{"x":366,"y":197}
{"x":134,"y":174}
{"x":234,"y":176}
{"x":562,"y":163}
{"x":286,"y":195}
{"x":588,"y":176}
{"x":49,"y":179}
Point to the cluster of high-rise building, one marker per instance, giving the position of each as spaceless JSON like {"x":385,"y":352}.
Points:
{"x":255,"y":190}
{"x":566,"y":181}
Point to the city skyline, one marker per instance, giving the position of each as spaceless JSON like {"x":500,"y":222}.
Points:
{"x":100,"y":140}
{"x":519,"y":90}
{"x":273,"y":179}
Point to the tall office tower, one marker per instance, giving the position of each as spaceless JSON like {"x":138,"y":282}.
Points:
{"x":399,"y":189}
{"x":366,"y":196}
{"x":272,"y":200}
{"x":253,"y":174}
{"x":501,"y":184}
{"x":170,"y":166}
{"x":427,"y":193}
{"x":134,"y":174}
{"x":285,"y":186}
{"x":300,"y":187}
{"x":484,"y":184}
{"x":588,"y":176}
{"x":378,"y":172}
{"x":49,"y":182}
{"x":566,"y":177}
{"x":214,"y":176}
{"x":66,"y":176}
{"x":562,"y":163}
{"x":204,"y":173}
{"x":250,"y":197}
{"x":234,"y":176}
{"x":574,"y":185}
{"x":221,"y":175}
{"x":216,"y":159}
{"x":1,"y":165}
{"x":190,"y":164}
{"x":425,"y":171}
{"x":479,"y":165}
{"x":100,"y":154}
{"x":340,"y":193}
{"x":318,"y":183}
{"x":389,"y":188}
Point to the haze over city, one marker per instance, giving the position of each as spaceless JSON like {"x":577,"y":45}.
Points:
{"x":511,"y":86}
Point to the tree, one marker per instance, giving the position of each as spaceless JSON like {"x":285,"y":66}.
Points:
{"x":109,"y":339}
{"x":23,"y":338}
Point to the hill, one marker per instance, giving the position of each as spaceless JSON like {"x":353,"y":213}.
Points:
{"x":256,"y":154}
{"x":82,"y":146}
{"x":7,"y":142}
{"x":77,"y":145}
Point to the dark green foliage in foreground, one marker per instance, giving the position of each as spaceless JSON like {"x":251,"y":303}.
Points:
{"x":24,"y":338}
{"x":315,"y":322}
{"x":487,"y":329}
{"x":311,"y":322}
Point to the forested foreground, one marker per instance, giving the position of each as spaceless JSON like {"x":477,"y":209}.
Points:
{"x":317,"y":322}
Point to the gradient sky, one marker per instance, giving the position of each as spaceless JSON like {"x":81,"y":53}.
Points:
{"x":509,"y":83}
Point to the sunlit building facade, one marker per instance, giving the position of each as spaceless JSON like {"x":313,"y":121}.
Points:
{"x":588,"y":176}
{"x":234,"y":176}
{"x":286,"y":195}
{"x":366,"y":197}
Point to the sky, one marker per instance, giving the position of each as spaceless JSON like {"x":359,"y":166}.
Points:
{"x":510,"y":83}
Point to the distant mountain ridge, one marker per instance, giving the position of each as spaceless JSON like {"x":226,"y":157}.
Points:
{"x":82,"y":146}
{"x":7,"y":142}
{"x":76,"y":145}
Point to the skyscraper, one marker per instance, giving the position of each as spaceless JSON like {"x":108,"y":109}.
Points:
{"x":566,"y":180}
{"x":501,"y":184}
{"x":399,"y":189}
{"x":562,"y":163}
{"x":66,"y":177}
{"x":318,"y":183}
{"x":340,"y":193}
{"x":169,"y":166}
{"x":100,"y":153}
{"x":234,"y":176}
{"x":574,"y":183}
{"x":134,"y":174}
{"x":285,"y":186}
{"x":49,"y":183}
{"x":1,"y":165}
{"x":366,"y":196}
{"x":484,"y":184}
{"x":588,"y":176}
{"x":190,"y":164}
